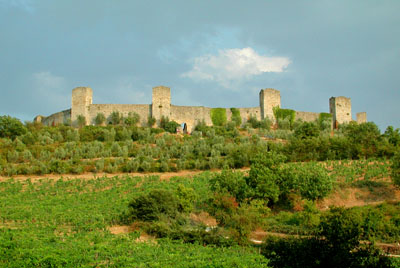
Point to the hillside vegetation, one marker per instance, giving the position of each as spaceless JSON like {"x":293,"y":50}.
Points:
{"x":276,"y":213}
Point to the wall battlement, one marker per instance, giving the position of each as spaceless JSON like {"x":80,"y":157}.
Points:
{"x":82,"y":104}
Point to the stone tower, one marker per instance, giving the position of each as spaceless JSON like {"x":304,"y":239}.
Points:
{"x":361,"y":117}
{"x":82,"y":98}
{"x":340,"y":108}
{"x":161,"y":103}
{"x":269,"y":98}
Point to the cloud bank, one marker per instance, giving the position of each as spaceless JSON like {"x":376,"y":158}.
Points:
{"x":234,"y":65}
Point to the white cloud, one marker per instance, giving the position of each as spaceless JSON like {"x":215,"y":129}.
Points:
{"x":234,"y":65}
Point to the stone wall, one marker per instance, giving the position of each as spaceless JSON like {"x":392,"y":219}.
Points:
{"x":143,"y":110}
{"x":59,"y":118}
{"x":190,"y":115}
{"x":340,"y":108}
{"x":307,"y":116}
{"x":361,"y":117}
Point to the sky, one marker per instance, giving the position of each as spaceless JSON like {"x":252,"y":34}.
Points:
{"x":210,"y":53}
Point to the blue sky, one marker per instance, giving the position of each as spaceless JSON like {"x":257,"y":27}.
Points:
{"x":211,"y":53}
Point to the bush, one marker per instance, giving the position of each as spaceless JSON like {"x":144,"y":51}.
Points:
{"x":81,"y":121}
{"x":132,"y":119}
{"x":153,"y":205}
{"x":236,"y":118}
{"x":11,"y":127}
{"x":151,"y":121}
{"x":306,"y":130}
{"x":230,"y":182}
{"x":282,"y":114}
{"x":396,"y":169}
{"x":115,"y":118}
{"x":218,"y":116}
{"x":99,"y":119}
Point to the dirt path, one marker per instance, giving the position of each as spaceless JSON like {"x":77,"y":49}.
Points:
{"x":163,"y":175}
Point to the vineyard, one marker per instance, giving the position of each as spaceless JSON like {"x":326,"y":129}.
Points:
{"x":251,"y":194}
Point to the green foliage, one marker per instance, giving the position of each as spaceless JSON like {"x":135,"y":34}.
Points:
{"x":230,"y":182}
{"x":236,"y":118}
{"x":282,"y":114}
{"x":115,"y":118}
{"x":218,"y":116}
{"x":337,"y":244}
{"x":325,"y":121}
{"x":132,"y":119}
{"x":392,"y":135}
{"x":396,"y":169}
{"x":99,"y":119}
{"x":151,"y":121}
{"x":306,"y":130}
{"x":153,"y":205}
{"x":80,"y":120}
{"x":11,"y":127}
{"x":264,"y":176}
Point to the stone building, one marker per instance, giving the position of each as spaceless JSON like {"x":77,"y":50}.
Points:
{"x":82,"y":104}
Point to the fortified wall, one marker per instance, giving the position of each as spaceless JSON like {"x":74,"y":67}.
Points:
{"x":82,"y":104}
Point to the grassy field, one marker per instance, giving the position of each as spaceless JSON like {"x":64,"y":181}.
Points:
{"x":66,"y":222}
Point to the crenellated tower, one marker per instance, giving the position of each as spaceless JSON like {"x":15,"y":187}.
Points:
{"x":82,"y":98}
{"x":161,"y":102}
{"x":269,"y":98}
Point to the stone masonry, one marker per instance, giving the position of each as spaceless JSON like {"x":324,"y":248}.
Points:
{"x":81,"y":104}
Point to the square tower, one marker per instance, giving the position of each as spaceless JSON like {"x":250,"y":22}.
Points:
{"x":361,"y":117}
{"x":82,"y":98}
{"x":161,"y":102}
{"x":340,"y":108}
{"x":269,"y":98}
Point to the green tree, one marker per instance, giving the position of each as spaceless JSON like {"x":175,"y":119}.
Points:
{"x":306,"y":130}
{"x":151,"y":121}
{"x":132,"y":119}
{"x":99,"y":119}
{"x":81,"y":121}
{"x":236,"y":118}
{"x":11,"y":127}
{"x":396,"y":169}
{"x":264,"y":175}
{"x":218,"y":116}
{"x":116,"y":118}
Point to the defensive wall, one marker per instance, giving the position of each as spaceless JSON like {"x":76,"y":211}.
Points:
{"x":82,"y":104}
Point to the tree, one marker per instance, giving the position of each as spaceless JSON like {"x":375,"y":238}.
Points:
{"x":151,"y":121}
{"x":11,"y":127}
{"x":132,"y":119}
{"x":306,"y":130}
{"x":396,"y":169}
{"x":116,"y":118}
{"x":81,"y":120}
{"x":99,"y":119}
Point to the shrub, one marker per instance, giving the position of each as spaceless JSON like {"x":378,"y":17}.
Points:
{"x":151,"y":121}
{"x":218,"y":116}
{"x":171,"y":126}
{"x":396,"y":169}
{"x":236,"y":118}
{"x":325,"y":121}
{"x":81,"y":120}
{"x":281,"y":114}
{"x":153,"y":205}
{"x":99,"y":119}
{"x":230,"y":182}
{"x":11,"y":127}
{"x":115,"y":118}
{"x":132,"y":119}
{"x":306,"y":130}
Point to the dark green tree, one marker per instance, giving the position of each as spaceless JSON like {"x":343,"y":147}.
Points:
{"x":11,"y":127}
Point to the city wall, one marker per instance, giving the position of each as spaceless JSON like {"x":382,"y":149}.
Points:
{"x":81,"y":104}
